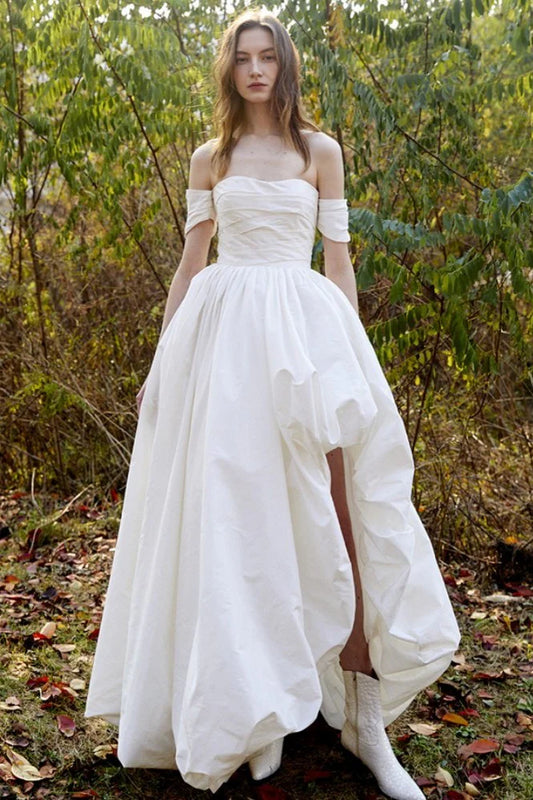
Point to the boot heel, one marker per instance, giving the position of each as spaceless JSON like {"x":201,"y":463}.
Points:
{"x":363,"y":735}
{"x":266,"y":761}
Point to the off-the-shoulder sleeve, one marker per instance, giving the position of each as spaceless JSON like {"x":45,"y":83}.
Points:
{"x":333,"y":219}
{"x":200,"y":207}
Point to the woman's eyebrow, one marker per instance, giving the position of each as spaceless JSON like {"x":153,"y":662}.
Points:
{"x":246,"y":53}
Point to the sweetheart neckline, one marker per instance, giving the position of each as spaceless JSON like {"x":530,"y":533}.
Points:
{"x":260,"y":180}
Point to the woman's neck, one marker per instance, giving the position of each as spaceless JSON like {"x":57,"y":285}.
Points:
{"x":259,"y":120}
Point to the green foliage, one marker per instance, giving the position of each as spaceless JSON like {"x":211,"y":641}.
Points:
{"x":103,"y":104}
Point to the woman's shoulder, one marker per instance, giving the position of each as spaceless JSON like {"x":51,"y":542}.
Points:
{"x":204,"y":152}
{"x":322,"y":145}
{"x":200,"y":176}
{"x":326,"y":156}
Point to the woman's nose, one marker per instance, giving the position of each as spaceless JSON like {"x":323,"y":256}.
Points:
{"x":255,"y":66}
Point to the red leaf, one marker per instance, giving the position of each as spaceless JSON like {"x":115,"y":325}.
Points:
{"x":492,"y":771}
{"x":93,"y":634}
{"x":34,"y":682}
{"x":481,"y":746}
{"x":466,"y":573}
{"x":115,"y":497}
{"x":424,"y":782}
{"x":453,"y":794}
{"x":316,"y":775}
{"x":511,"y":748}
{"x":469,"y":712}
{"x":519,"y":591}
{"x":405,"y":737}
{"x":488,"y":676}
{"x":489,"y":642}
{"x":516,"y":739}
{"x":66,"y":725}
{"x":268,"y":792}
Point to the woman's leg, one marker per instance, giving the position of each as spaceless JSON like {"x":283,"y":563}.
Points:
{"x":355,"y":656}
{"x":363,"y":732}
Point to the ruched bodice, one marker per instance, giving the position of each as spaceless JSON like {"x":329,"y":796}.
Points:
{"x":267,"y":222}
{"x":262,"y":222}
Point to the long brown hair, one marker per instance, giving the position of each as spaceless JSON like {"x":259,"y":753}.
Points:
{"x":286,"y":97}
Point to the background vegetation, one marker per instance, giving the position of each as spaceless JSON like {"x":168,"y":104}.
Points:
{"x":103,"y":104}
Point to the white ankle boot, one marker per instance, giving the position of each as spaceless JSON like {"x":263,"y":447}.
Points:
{"x":266,"y":761}
{"x":364,"y":735}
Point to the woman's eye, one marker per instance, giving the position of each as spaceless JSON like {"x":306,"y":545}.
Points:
{"x":240,"y":60}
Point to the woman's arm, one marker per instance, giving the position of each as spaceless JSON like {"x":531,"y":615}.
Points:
{"x":196,"y":247}
{"x":327,"y":156}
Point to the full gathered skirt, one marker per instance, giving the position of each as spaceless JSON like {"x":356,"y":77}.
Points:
{"x":231,"y":593}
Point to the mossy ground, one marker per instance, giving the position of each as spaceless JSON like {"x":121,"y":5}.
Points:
{"x":55,"y":566}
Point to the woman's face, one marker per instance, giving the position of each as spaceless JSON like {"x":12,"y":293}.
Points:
{"x":256,"y":67}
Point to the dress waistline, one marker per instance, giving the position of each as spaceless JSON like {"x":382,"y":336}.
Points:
{"x":280,"y":264}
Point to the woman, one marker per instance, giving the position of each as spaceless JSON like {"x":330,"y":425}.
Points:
{"x":269,"y":453}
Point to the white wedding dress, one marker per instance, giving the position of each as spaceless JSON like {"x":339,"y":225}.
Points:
{"x":231,"y":593}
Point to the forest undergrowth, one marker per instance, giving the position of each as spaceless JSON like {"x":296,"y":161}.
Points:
{"x":469,"y":735}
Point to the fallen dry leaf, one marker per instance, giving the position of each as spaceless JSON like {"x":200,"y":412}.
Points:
{"x":48,"y":630}
{"x":32,"y":683}
{"x":488,"y":676}
{"x":423,"y":783}
{"x":471,"y":790}
{"x":17,"y":741}
{"x":66,"y":725}
{"x":454,"y":719}
{"x":469,"y":712}
{"x":64,"y":648}
{"x":5,"y":771}
{"x":444,"y":777}
{"x":492,"y":771}
{"x":524,"y":719}
{"x":105,"y":750}
{"x":459,"y":658}
{"x":10,"y":704}
{"x":479,"y":746}
{"x":516,"y":739}
{"x":21,"y":767}
{"x":424,"y":728}
{"x":511,"y":748}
